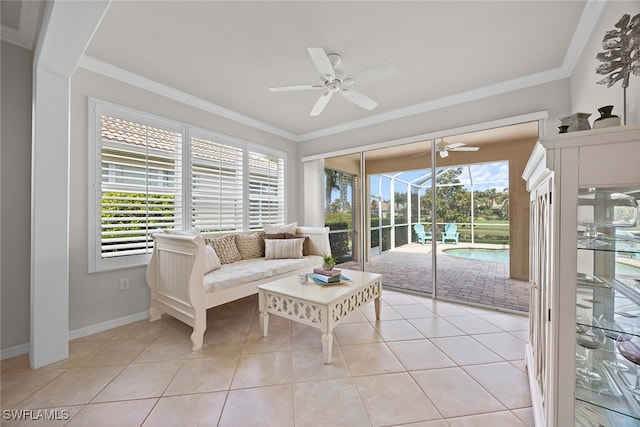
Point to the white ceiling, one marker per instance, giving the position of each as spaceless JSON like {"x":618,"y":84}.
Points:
{"x":227,"y":54}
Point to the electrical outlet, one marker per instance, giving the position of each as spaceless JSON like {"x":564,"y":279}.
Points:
{"x":124,"y":283}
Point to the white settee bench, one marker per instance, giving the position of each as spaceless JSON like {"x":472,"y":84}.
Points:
{"x":181,"y":287}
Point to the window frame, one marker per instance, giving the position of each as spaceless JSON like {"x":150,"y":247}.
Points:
{"x":97,"y":108}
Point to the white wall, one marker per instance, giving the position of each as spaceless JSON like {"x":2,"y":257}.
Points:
{"x":15,"y":177}
{"x":586,"y":95}
{"x":96,"y":298}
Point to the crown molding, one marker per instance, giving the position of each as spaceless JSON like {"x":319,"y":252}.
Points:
{"x":13,"y":36}
{"x":447,"y":101}
{"x":137,"y":80}
{"x":588,"y":21}
{"x":30,"y":20}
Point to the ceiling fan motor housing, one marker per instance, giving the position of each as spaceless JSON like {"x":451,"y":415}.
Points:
{"x":335,"y":59}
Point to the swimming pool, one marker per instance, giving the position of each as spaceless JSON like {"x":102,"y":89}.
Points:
{"x":495,"y":255}
{"x":502,"y":255}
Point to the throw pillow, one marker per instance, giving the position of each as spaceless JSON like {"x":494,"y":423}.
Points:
{"x":211,"y":260}
{"x":250,"y":245}
{"x":226,"y":249}
{"x":281,"y":228}
{"x":275,"y":236}
{"x":305,"y":245}
{"x":283,"y":248}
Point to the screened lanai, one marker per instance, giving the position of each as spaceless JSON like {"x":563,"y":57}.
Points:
{"x":474,"y":197}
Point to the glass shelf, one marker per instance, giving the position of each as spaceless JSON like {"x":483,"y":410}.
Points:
{"x":611,"y":390}
{"x":623,"y":242}
{"x":589,"y":415}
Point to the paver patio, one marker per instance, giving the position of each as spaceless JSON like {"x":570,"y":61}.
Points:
{"x":409,"y":267}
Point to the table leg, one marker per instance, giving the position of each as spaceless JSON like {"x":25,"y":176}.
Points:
{"x":327,"y":346}
{"x":377,"y":303}
{"x":264,"y":323}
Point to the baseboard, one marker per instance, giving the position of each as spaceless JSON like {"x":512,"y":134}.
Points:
{"x":7,"y":353}
{"x":105,"y":326}
{"x":18,"y":350}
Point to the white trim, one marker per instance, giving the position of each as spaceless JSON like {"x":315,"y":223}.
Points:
{"x":588,"y":21}
{"x":30,"y":17}
{"x":7,"y":353}
{"x":109,"y":324}
{"x":79,"y":333}
{"x":508,"y":121}
{"x":448,"y":101}
{"x":13,"y":36}
{"x":93,"y":186}
{"x":137,"y":80}
{"x":120,"y":74}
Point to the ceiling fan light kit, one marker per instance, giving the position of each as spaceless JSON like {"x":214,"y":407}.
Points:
{"x":334,"y":80}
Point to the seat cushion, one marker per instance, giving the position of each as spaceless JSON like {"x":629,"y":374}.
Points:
{"x":245,"y":271}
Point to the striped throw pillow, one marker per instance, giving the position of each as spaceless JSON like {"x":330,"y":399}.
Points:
{"x":283,"y":248}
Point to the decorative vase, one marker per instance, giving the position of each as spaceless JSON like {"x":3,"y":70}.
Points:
{"x":606,"y":118}
{"x":328,"y":266}
{"x":563,"y":129}
{"x":576,"y":122}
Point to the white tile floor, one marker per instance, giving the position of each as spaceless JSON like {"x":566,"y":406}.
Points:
{"x":426,"y":363}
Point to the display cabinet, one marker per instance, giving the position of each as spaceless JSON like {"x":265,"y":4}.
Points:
{"x":583,"y":354}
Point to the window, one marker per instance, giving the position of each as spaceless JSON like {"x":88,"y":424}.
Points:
{"x":266,"y":190}
{"x":149,"y":173}
{"x":216,"y":186}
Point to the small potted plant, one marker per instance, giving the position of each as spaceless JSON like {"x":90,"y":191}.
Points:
{"x":329,"y":261}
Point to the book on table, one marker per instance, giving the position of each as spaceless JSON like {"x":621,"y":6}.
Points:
{"x":326,"y":279}
{"x":329,"y":273}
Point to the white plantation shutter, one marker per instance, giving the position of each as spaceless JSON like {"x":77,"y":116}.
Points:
{"x":216,"y":186}
{"x":266,"y":190}
{"x":148,"y":173}
{"x":140,"y":185}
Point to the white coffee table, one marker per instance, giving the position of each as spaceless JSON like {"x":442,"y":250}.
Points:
{"x":320,"y":306}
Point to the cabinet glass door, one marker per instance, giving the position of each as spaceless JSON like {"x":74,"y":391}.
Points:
{"x":608,"y":307}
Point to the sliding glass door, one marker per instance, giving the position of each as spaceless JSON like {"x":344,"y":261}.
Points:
{"x":436,"y":221}
{"x":342,"y":209}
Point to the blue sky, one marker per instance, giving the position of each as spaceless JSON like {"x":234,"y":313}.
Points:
{"x":485,"y":176}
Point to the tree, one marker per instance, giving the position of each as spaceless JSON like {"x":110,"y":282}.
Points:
{"x":332,"y":182}
{"x":453,"y":202}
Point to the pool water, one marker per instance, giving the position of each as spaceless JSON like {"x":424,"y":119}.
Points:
{"x":502,"y":255}
{"x":495,"y":255}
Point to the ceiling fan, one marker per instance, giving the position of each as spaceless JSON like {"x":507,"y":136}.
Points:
{"x":334,"y":80}
{"x":443,"y":148}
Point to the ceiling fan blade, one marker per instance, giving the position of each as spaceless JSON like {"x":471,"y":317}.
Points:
{"x":322,"y":63}
{"x":294,"y":87}
{"x":465,"y":149}
{"x":454,"y":145}
{"x":320,"y":104}
{"x":359,"y":99}
{"x":370,"y":74}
